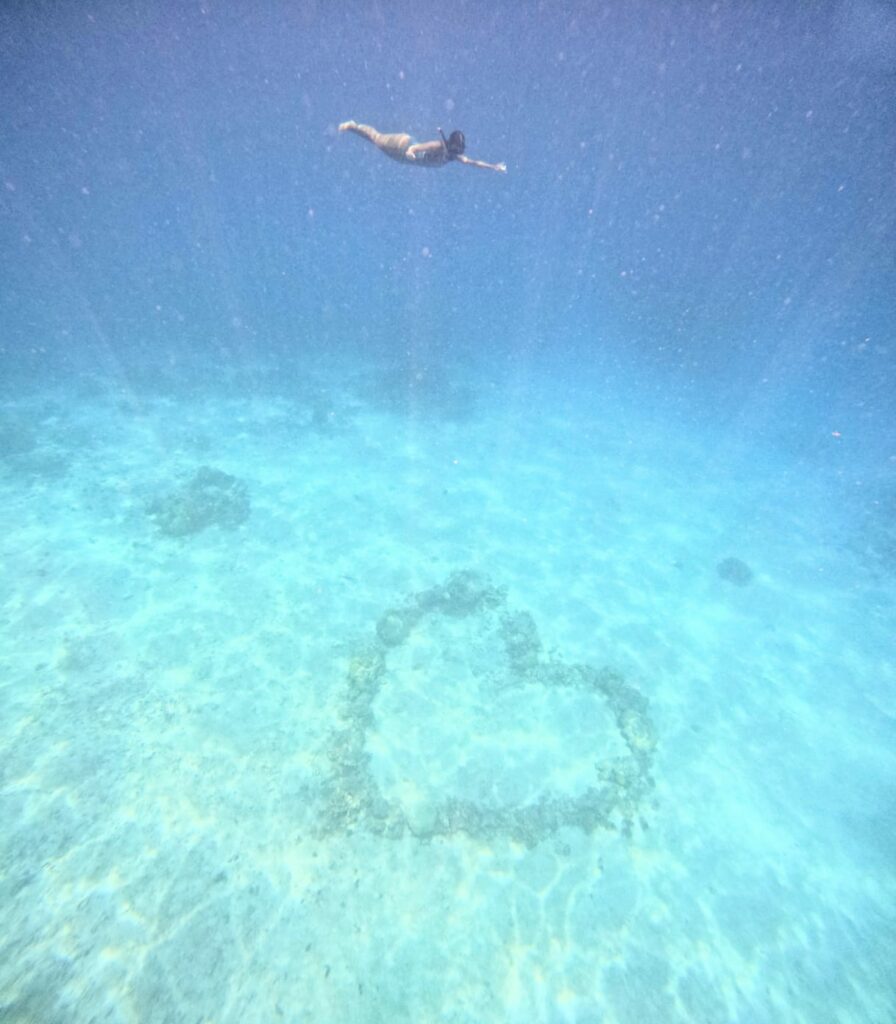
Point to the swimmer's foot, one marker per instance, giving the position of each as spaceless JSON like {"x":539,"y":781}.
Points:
{"x":347,"y":126}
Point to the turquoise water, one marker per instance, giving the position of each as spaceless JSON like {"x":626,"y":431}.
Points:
{"x":436,"y":595}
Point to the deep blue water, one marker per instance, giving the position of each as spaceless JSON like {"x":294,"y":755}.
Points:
{"x":702,"y":191}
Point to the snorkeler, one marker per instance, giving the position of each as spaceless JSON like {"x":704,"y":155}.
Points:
{"x":402,"y":147}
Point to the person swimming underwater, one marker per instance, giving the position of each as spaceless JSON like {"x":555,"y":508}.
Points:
{"x":402,"y":147}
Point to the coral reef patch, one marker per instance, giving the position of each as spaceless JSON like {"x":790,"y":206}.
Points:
{"x":621,"y":779}
{"x":735,"y":571}
{"x":209,"y":498}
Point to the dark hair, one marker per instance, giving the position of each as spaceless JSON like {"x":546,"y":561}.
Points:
{"x":456,"y":143}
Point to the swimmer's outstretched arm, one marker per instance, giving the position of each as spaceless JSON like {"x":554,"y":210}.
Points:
{"x":481,"y":163}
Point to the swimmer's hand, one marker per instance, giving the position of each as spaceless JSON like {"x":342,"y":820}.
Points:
{"x":347,"y":126}
{"x":501,"y":167}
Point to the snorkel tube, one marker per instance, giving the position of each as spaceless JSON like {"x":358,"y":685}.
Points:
{"x":455,"y":144}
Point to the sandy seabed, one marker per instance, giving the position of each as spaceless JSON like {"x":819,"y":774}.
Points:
{"x":453,"y":719}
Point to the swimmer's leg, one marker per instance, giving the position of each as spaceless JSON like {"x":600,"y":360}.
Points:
{"x":394,"y":145}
